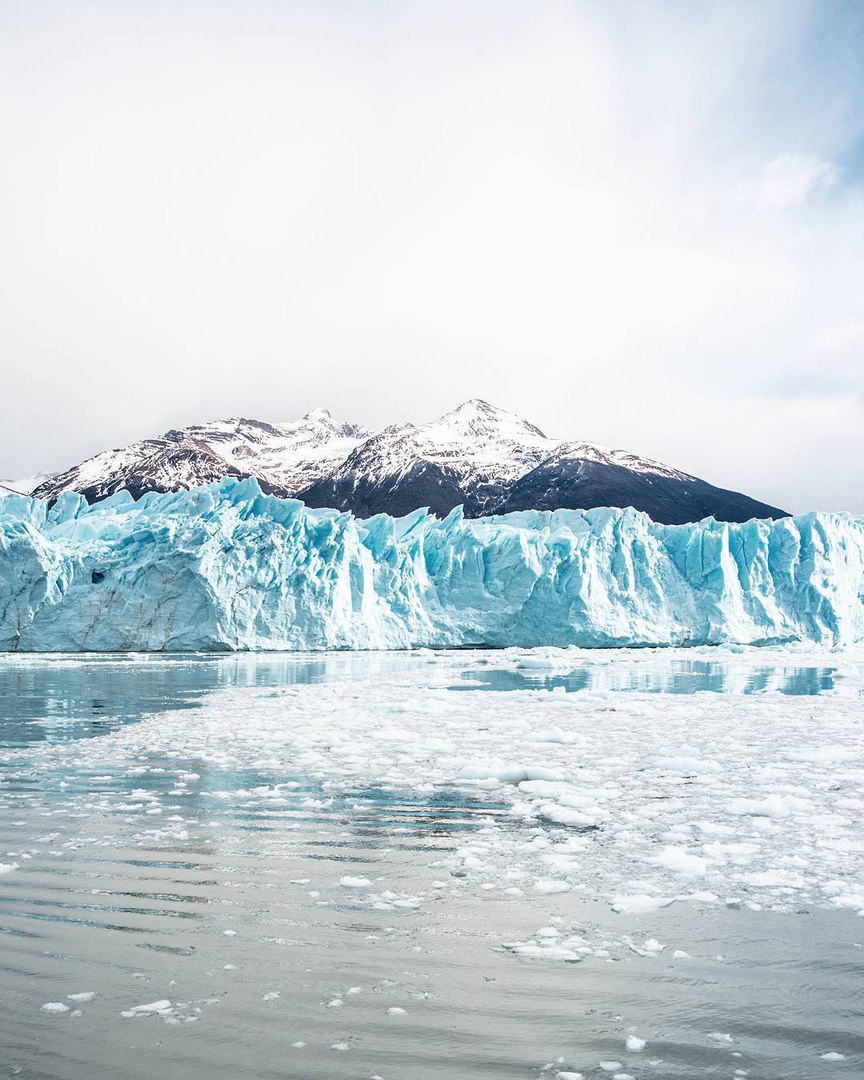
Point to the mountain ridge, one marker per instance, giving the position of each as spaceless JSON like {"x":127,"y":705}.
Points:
{"x":479,"y":456}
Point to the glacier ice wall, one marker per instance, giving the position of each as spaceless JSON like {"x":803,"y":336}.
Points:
{"x":226,"y":567}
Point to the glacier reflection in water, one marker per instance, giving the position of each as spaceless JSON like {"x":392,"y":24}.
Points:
{"x":184,"y":918}
{"x":678,"y":677}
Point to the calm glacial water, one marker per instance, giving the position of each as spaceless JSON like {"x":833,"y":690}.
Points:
{"x":676,"y":677}
{"x":235,"y":926}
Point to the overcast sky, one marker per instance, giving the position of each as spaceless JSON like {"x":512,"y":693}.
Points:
{"x":636,"y":223}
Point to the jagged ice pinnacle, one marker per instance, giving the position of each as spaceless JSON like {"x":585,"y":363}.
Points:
{"x":225,"y":567}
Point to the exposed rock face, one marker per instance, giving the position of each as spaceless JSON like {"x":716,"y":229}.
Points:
{"x":477,"y":456}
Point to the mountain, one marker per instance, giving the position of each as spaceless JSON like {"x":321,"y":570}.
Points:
{"x":469,"y":456}
{"x":284,"y":458}
{"x":578,"y":476}
{"x":24,"y":485}
{"x":478,"y":456}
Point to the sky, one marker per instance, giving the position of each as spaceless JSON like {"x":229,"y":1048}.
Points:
{"x":639,"y":224}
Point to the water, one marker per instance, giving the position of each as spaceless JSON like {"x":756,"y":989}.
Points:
{"x":674,"y":677}
{"x":158,"y":861}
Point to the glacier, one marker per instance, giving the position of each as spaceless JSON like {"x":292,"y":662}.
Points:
{"x":226,"y":567}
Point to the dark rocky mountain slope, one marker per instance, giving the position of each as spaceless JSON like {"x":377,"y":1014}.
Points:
{"x":483,"y":458}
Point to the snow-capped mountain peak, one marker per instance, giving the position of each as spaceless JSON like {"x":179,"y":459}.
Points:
{"x":467,"y":456}
{"x":479,"y":456}
{"x":284,"y":457}
{"x":477,"y":419}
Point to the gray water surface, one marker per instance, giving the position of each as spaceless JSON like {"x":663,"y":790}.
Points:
{"x":236,"y":916}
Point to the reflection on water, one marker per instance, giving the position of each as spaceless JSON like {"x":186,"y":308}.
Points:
{"x":679,"y":677}
{"x":280,"y":917}
{"x":64,"y":698}
{"x":60,"y":699}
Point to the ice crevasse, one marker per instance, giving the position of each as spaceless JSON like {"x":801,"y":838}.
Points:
{"x":225,"y":567}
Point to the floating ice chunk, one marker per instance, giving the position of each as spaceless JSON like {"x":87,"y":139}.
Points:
{"x":774,"y":806}
{"x":832,"y":1055}
{"x":850,"y":900}
{"x":684,"y":764}
{"x":610,"y":1066}
{"x":87,"y":995}
{"x":545,"y":660}
{"x":680,"y":861}
{"x":548,"y":788}
{"x":509,"y":774}
{"x":564,"y":815}
{"x":827,"y":755}
{"x":394,"y":1010}
{"x":553,"y":735}
{"x":548,"y":886}
{"x":151,"y":1008}
{"x":546,"y":952}
{"x":634,"y":1044}
{"x":569,"y":1076}
{"x":8,"y":867}
{"x":640,"y":904}
{"x":55,"y":1007}
{"x":349,"y":882}
{"x":720,"y":1037}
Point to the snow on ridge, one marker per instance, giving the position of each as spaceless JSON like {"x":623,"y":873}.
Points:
{"x":623,"y":458}
{"x":478,"y":442}
{"x":483,"y":449}
{"x":225,"y":567}
{"x":22,"y":486}
{"x":287,"y":456}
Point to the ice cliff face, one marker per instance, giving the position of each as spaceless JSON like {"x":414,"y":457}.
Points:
{"x":227,"y":567}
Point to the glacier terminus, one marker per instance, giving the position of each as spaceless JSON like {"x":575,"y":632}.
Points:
{"x":226,"y":567}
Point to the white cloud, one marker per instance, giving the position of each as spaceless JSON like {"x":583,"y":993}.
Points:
{"x":791,"y":179}
{"x":258,"y":208}
{"x":840,"y":339}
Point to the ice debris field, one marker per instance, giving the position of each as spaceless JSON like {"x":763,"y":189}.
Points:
{"x":636,"y":801}
{"x":224,"y":567}
{"x":327,"y":853}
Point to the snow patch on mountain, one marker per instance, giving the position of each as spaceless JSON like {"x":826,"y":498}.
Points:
{"x":284,"y":457}
{"x":476,"y":447}
{"x":22,"y":486}
{"x":477,"y":456}
{"x":583,"y":451}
